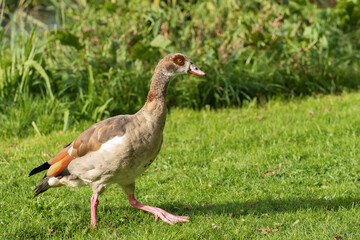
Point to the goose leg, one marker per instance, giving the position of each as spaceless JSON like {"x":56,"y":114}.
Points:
{"x":94,"y":203}
{"x":158,"y":212}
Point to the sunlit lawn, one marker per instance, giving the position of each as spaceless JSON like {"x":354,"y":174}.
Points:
{"x":283,"y":171}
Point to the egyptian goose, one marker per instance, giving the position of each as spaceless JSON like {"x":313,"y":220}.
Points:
{"x":120,"y":148}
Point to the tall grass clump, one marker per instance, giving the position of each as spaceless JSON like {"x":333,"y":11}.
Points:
{"x":95,"y":59}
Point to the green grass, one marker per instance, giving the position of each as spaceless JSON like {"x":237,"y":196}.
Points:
{"x":289,"y":166}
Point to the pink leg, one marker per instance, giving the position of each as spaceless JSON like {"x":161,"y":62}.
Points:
{"x":165,"y":216}
{"x":94,"y":203}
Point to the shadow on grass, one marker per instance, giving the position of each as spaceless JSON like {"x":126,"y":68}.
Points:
{"x":233,"y":209}
{"x":114,"y":215}
{"x":262,"y":206}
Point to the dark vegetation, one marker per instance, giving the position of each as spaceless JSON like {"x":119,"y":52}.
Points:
{"x":94,"y":60}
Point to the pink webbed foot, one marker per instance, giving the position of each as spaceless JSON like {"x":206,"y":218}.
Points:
{"x":158,"y":212}
{"x":94,"y":203}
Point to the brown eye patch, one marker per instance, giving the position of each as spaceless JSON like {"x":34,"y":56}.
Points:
{"x":179,"y":60}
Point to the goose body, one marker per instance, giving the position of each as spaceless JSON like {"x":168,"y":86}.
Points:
{"x":122,"y":157}
{"x":120,"y":148}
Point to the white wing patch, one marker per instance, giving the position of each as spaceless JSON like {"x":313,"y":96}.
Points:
{"x":111,"y":144}
{"x":70,"y":150}
{"x":54,"y":182}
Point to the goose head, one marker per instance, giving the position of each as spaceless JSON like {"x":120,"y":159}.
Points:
{"x":177,"y":63}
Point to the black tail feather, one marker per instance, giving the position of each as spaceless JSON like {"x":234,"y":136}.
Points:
{"x":42,"y":187}
{"x":40,"y":168}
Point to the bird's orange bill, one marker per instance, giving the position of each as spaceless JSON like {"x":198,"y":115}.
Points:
{"x":195,"y":70}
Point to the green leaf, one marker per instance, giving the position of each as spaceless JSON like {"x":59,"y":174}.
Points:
{"x":29,"y":43}
{"x":324,"y":42}
{"x":66,"y":120}
{"x":43,"y":74}
{"x":160,"y":42}
{"x":68,"y":39}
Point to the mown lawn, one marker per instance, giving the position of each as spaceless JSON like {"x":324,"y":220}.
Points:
{"x":288,"y":170}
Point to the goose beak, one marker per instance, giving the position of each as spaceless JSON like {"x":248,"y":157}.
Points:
{"x":195,"y":70}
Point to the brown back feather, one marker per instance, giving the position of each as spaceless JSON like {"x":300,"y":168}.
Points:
{"x":88,"y":141}
{"x":99,"y":133}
